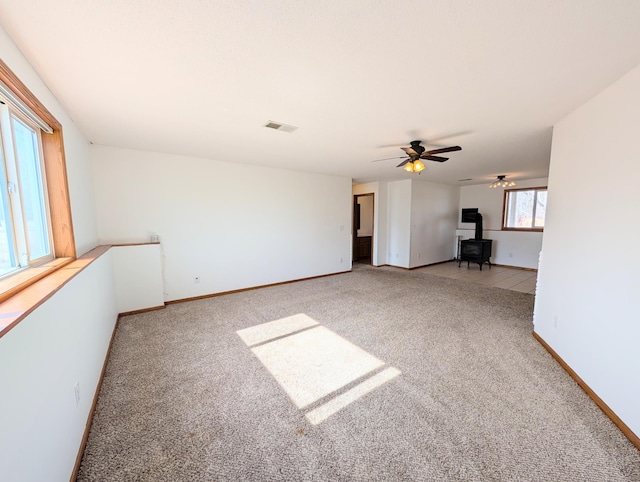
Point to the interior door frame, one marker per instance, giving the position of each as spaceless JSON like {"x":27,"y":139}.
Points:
{"x":356,"y":224}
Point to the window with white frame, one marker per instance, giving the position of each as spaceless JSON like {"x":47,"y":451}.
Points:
{"x":25,"y":229}
{"x":525,"y":209}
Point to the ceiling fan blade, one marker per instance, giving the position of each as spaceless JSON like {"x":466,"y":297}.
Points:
{"x":399,"y":144}
{"x":428,"y":141}
{"x":411,"y":134}
{"x":448,"y":136}
{"x":403,"y":162}
{"x":435,"y":158}
{"x":388,"y":158}
{"x":444,"y":149}
{"x":410,"y":151}
{"x":435,"y":145}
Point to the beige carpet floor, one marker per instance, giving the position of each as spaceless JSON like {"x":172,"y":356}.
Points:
{"x":376,"y":375}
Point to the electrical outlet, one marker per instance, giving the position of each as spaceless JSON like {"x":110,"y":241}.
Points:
{"x":196,"y":279}
{"x":76,"y":390}
{"x":555,"y":321}
{"x":511,"y":255}
{"x":340,"y":260}
{"x":155,"y":238}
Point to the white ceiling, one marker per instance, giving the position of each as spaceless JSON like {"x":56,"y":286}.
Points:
{"x":202,"y":78}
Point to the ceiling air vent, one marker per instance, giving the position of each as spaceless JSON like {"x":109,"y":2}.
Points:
{"x":280,"y":127}
{"x":461,"y":180}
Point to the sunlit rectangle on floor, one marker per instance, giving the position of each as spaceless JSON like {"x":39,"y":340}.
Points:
{"x":274,"y":329}
{"x":314,"y":363}
{"x":336,"y":404}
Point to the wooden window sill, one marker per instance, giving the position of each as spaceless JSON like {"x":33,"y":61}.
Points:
{"x":19,"y":281}
{"x":41,"y":286}
{"x":524,"y":230}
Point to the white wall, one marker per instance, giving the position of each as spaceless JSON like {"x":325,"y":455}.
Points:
{"x":414,"y":221}
{"x":379,"y":239}
{"x":399,"y":223}
{"x":138,"y":277}
{"x":434,"y":214}
{"x":232,"y":225}
{"x":587,"y":305}
{"x":510,"y":248}
{"x":61,"y":343}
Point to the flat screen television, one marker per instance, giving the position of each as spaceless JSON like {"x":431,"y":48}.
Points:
{"x":469,"y":215}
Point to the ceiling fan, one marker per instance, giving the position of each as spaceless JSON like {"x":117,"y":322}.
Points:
{"x":417,"y":152}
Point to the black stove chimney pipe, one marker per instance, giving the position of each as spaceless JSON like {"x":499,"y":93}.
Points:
{"x":478,"y":226}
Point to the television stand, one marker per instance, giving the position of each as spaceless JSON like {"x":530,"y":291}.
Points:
{"x":475,"y":251}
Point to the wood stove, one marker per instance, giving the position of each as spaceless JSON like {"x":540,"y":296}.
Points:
{"x":475,"y":251}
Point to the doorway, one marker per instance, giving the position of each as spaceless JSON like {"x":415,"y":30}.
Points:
{"x":363,"y":228}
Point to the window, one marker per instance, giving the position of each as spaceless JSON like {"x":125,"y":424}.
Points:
{"x":36,"y":230}
{"x":525,"y":209}
{"x":25,"y":231}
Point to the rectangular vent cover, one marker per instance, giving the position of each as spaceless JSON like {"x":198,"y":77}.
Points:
{"x":280,"y":127}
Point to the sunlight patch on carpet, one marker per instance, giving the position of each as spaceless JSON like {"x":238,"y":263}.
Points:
{"x":274,"y":329}
{"x":311,"y":363}
{"x":325,"y":410}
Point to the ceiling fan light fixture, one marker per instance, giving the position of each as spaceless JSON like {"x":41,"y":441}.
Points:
{"x":413,"y":155}
{"x":418,"y":166}
{"x":501,"y":181}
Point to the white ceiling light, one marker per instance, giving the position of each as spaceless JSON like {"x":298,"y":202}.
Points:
{"x":501,"y":182}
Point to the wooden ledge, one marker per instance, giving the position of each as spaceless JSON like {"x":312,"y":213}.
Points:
{"x":20,"y":280}
{"x":17,"y":307}
{"x":135,"y":244}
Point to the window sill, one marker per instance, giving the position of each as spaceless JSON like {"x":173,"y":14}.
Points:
{"x":19,"y":281}
{"x":18,"y":301}
{"x":524,"y":230}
